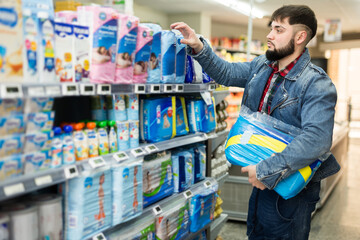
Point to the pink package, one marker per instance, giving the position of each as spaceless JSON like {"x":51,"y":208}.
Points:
{"x":66,"y":16}
{"x":103,"y":24}
{"x":127,"y":34}
{"x":142,"y":54}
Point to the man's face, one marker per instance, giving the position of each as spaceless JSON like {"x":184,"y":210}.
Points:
{"x":280,"y":40}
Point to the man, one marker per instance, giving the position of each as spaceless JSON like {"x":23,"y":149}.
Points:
{"x":286,"y":85}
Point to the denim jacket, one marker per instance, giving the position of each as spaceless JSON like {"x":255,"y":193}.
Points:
{"x":306,"y":99}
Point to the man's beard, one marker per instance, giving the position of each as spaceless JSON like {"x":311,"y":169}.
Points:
{"x":277,"y":54}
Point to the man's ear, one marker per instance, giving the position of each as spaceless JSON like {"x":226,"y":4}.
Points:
{"x":300,"y":37}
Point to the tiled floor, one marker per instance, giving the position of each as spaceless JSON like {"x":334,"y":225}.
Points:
{"x":339,"y":218}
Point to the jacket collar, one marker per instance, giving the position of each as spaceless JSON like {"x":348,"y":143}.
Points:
{"x":298,"y":68}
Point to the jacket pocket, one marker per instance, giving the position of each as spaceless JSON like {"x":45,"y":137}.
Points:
{"x":289,"y":102}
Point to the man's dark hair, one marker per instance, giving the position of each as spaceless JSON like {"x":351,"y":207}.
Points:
{"x":297,"y":14}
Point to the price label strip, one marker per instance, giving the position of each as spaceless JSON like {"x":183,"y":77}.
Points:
{"x":155,"y":88}
{"x":52,"y":91}
{"x":99,"y":236}
{"x":97,"y":162}
{"x":70,"y":89}
{"x":168,"y":88}
{"x":138,"y":152}
{"x":151,"y":148}
{"x":71,"y":171}
{"x":188,"y":194}
{"x":207,"y":184}
{"x":104,"y":89}
{"x":36,"y":91}
{"x":87,"y":89}
{"x":120,"y":156}
{"x":157,"y":210}
{"x":139,"y":88}
{"x":179,"y":88}
{"x":14,"y":189}
{"x":43,"y":180}
{"x":11,"y":91}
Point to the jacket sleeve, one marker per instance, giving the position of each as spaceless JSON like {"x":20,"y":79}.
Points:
{"x":223,"y":72}
{"x":317,"y":123}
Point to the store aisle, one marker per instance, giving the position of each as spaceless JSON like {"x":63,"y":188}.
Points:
{"x":339,"y":218}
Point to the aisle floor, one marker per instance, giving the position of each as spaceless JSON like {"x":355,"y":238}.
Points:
{"x":338,"y":219}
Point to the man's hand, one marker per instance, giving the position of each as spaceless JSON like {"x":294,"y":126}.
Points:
{"x":251,"y":170}
{"x":189,"y":34}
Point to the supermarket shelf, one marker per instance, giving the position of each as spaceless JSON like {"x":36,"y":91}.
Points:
{"x":27,"y":183}
{"x":238,"y":51}
{"x":221,"y":180}
{"x":217,"y":138}
{"x":238,"y":216}
{"x":216,"y":226}
{"x":16,"y":90}
{"x":220,"y":95}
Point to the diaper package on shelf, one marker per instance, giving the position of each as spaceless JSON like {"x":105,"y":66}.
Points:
{"x":202,"y":206}
{"x":182,"y":126}
{"x":38,"y":141}
{"x":11,"y":144}
{"x":199,"y":162}
{"x":11,"y":106}
{"x":168,"y":52}
{"x":88,"y":203}
{"x":36,"y":161}
{"x":12,"y":125}
{"x":201,"y":116}
{"x":39,"y":122}
{"x":11,"y":167}
{"x":142,"y":54}
{"x":117,"y":111}
{"x":154,"y":69}
{"x":30,"y":53}
{"x":139,"y":229}
{"x":40,"y":104}
{"x":174,"y":221}
{"x":127,"y":191}
{"x":180,"y":58}
{"x":82,"y":53}
{"x":157,"y":177}
{"x":158,"y":120}
{"x":255,"y":137}
{"x":183,"y":164}
{"x":132,"y":106}
{"x":123,"y":135}
{"x":126,"y":46}
{"x":190,"y":76}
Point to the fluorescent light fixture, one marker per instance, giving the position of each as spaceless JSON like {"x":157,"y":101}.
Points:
{"x":241,"y":7}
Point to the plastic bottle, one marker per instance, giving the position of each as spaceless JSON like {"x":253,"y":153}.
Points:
{"x":80,"y":142}
{"x":92,"y":139}
{"x":112,"y":137}
{"x":68,"y":145}
{"x":103,"y":138}
{"x":56,"y":148}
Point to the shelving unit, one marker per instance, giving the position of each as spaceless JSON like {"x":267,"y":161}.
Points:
{"x":237,"y":51}
{"x":216,"y":226}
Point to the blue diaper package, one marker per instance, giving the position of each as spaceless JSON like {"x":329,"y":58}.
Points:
{"x":40,"y":122}
{"x":255,"y":137}
{"x":43,"y":104}
{"x":132,"y":107}
{"x":190,"y":72}
{"x":116,"y":107}
{"x":158,"y":120}
{"x":201,"y":116}
{"x":157,"y":177}
{"x":88,"y":203}
{"x":202,"y":206}
{"x":183,"y":164}
{"x":206,"y":78}
{"x":199,"y":162}
{"x":38,"y":141}
{"x":182,"y":126}
{"x":154,"y":70}
{"x":12,"y":124}
{"x":127,"y":191}
{"x":11,"y":144}
{"x":11,"y":106}
{"x":36,"y":161}
{"x":10,"y":167}
{"x":168,"y":51}
{"x":180,"y":58}
{"x":173,"y":222}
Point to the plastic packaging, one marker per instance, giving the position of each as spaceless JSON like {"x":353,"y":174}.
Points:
{"x":142,"y":54}
{"x":56,"y":149}
{"x":123,"y":135}
{"x":183,"y":164}
{"x":182,"y":126}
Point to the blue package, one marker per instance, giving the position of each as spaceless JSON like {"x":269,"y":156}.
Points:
{"x":42,"y":121}
{"x":183,"y":164}
{"x":127,"y":190}
{"x":134,"y":134}
{"x":155,"y":57}
{"x":182,"y":126}
{"x":38,"y":141}
{"x":12,"y":144}
{"x":190,"y":72}
{"x":11,"y":106}
{"x":88,"y":203}
{"x":132,"y":107}
{"x":122,"y":130}
{"x":10,"y":167}
{"x":116,"y":107}
{"x":168,"y":51}
{"x":98,"y":108}
{"x":201,"y":116}
{"x":43,"y":104}
{"x":206,"y":78}
{"x":12,"y":125}
{"x":199,"y":162}
{"x":157,"y":177}
{"x":173,"y":223}
{"x":202,"y":208}
{"x":158,"y":122}
{"x":180,"y":58}
{"x":36,"y":161}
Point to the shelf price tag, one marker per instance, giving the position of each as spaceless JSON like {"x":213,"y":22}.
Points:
{"x":207,"y":184}
{"x":39,"y":181}
{"x":155,"y":88}
{"x":139,"y":88}
{"x":157,"y":210}
{"x":14,"y":189}
{"x":11,"y":91}
{"x":70,"y":89}
{"x":71,"y":171}
{"x":36,"y":91}
{"x":211,"y":87}
{"x":151,"y":148}
{"x":188,"y":194}
{"x":97,"y":162}
{"x":104,"y":89}
{"x":179,"y":88}
{"x":99,"y":236}
{"x":52,"y":91}
{"x":87,"y":89}
{"x":120,"y":156}
{"x":138,"y":152}
{"x":168,"y":88}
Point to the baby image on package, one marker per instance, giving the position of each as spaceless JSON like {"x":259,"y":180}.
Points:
{"x":201,"y":116}
{"x":182,"y":126}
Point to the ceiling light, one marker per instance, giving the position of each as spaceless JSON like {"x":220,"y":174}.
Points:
{"x":241,"y":7}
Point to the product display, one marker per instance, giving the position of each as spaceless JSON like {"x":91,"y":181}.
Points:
{"x":183,"y":168}
{"x":201,"y":116}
